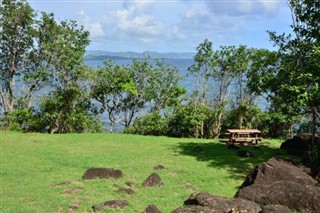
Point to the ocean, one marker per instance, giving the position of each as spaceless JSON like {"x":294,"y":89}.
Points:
{"x":181,"y":64}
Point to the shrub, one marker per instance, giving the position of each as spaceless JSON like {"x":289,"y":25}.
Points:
{"x":150,"y":124}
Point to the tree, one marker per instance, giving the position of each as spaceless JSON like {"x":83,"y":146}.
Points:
{"x":166,"y":91}
{"x":292,"y":81}
{"x":298,"y":72}
{"x":46,"y":56}
{"x":16,"y":32}
{"x":110,"y":86}
{"x":127,"y":90}
{"x":68,"y":78}
{"x":218,"y":68}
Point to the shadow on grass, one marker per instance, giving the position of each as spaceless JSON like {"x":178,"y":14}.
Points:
{"x":219,"y":155}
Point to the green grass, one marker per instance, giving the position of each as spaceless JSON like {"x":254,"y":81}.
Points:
{"x":32,"y":165}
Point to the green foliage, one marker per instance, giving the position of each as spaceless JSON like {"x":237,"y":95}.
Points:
{"x":188,"y":121}
{"x":16,"y":40}
{"x":150,"y":124}
{"x":67,"y":112}
{"x":244,"y":116}
{"x":219,"y":68}
{"x":297,"y":78}
{"x":46,"y":56}
{"x":124,"y":91}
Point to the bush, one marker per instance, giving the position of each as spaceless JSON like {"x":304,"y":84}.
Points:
{"x":22,"y":120}
{"x":188,"y":121}
{"x":150,"y":124}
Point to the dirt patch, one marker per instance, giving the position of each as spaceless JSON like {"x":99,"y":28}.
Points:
{"x":61,"y":184}
{"x":74,"y":206}
{"x":72,"y":191}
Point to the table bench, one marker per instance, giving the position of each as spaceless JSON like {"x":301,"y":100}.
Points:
{"x":244,"y":135}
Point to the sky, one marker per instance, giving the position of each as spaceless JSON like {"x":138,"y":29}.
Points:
{"x":172,"y":25}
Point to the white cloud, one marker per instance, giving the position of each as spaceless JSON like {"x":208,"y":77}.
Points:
{"x":139,"y":24}
{"x":134,"y":22}
{"x":95,"y":28}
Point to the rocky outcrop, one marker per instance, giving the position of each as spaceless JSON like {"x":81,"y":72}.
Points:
{"x":282,"y":182}
{"x":300,"y":144}
{"x":205,"y":202}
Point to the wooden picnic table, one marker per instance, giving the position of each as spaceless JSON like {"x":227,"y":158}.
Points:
{"x":244,"y":135}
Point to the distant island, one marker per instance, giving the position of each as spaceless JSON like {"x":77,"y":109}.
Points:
{"x":102,"y":55}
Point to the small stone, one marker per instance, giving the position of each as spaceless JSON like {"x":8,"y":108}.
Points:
{"x":151,"y":209}
{"x":158,"y":167}
{"x":127,"y":191}
{"x":115,"y":204}
{"x":152,"y":180}
{"x":245,"y":154}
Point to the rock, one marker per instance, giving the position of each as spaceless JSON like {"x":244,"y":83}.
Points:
{"x":115,"y":204}
{"x":198,"y":149}
{"x":74,"y":206}
{"x":158,"y":167}
{"x":152,"y":180}
{"x":217,"y":204}
{"x":275,"y":209}
{"x":151,"y":209}
{"x":276,"y":169}
{"x":127,"y":191}
{"x":130,"y":184}
{"x":193,"y":209}
{"x":101,"y":173}
{"x":288,"y":193}
{"x":244,"y":154}
{"x":299,"y":144}
{"x":315,"y":173}
{"x":281,"y":182}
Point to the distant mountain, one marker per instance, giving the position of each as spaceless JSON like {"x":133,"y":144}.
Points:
{"x":101,"y":55}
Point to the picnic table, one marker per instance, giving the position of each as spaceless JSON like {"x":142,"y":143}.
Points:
{"x":244,"y":135}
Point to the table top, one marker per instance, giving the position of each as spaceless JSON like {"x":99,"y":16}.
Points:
{"x":243,"y":131}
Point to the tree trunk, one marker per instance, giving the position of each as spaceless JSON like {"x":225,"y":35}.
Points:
{"x":217,"y":124}
{"x":313,"y":126}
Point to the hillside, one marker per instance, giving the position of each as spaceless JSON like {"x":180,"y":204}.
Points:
{"x":101,"y":55}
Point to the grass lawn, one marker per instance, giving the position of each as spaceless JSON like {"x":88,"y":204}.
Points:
{"x":33,"y":166}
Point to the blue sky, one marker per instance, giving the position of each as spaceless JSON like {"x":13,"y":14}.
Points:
{"x":172,"y":25}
